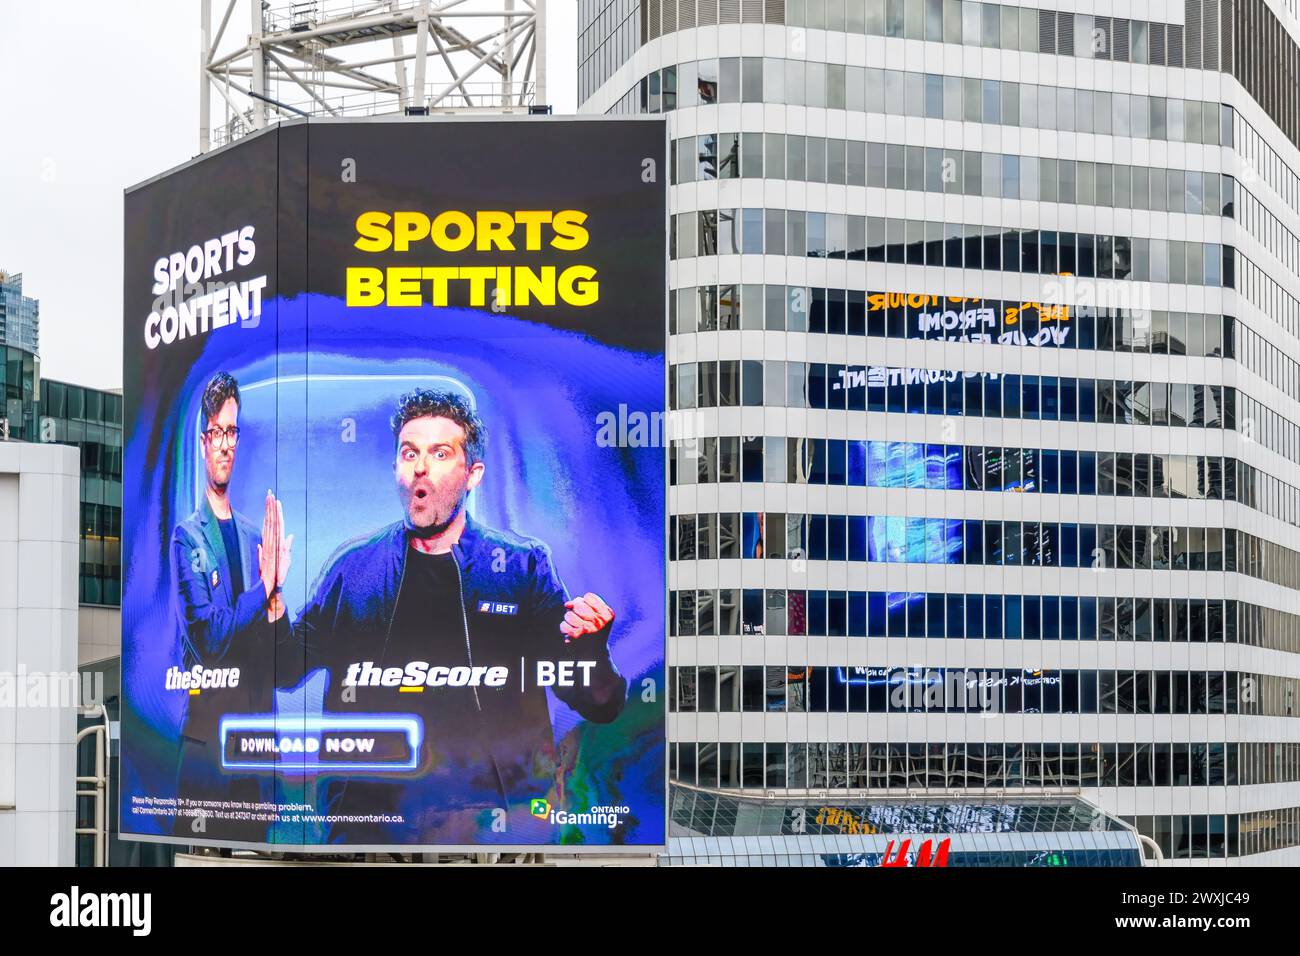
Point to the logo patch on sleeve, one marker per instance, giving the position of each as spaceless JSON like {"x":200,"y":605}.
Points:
{"x":497,"y":607}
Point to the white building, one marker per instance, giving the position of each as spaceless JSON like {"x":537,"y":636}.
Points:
{"x":39,"y":688}
{"x":1088,"y":507}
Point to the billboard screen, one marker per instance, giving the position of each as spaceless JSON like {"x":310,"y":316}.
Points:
{"x":394,"y":504}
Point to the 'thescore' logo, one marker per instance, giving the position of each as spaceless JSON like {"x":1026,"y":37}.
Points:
{"x":421,"y":674}
{"x":199,"y":678}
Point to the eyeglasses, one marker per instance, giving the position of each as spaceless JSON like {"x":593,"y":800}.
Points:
{"x":231,"y":436}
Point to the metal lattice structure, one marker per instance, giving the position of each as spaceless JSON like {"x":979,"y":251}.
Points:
{"x":351,"y":57}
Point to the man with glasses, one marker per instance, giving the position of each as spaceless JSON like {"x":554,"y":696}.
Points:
{"x":226,"y":576}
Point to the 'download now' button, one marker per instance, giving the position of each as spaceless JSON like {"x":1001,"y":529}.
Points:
{"x":329,"y":743}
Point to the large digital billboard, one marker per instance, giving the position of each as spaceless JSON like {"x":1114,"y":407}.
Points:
{"x":390,"y":577}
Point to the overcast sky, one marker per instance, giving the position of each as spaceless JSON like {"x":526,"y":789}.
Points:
{"x":97,"y":96}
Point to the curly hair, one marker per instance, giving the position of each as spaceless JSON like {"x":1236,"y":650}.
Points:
{"x":220,"y":389}
{"x":428,"y":403}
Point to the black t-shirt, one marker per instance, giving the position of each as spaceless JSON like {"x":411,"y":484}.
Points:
{"x":234,"y":560}
{"x":429,"y":625}
{"x":456,"y":777}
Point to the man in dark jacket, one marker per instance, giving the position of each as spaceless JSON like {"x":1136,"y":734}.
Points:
{"x":226,"y":583}
{"x":483,"y":613}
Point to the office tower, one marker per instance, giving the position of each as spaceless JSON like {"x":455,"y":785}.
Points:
{"x":983,"y":318}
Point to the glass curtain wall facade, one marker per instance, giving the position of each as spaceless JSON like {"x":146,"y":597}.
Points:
{"x":20,"y":315}
{"x":92,"y":420}
{"x":984,"y":319}
{"x":19,"y":357}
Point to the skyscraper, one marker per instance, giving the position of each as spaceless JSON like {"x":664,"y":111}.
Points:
{"x":19,"y":357}
{"x":20,"y":315}
{"x":986,"y":319}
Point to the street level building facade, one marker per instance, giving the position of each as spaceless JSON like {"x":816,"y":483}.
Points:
{"x":984,"y":318}
{"x":38,"y":654}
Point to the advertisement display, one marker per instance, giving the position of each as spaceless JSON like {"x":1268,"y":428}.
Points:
{"x":389,"y":580}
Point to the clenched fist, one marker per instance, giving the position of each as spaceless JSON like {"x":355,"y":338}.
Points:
{"x":585,"y":615}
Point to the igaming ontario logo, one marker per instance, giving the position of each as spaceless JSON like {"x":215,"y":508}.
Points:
{"x":594,"y":816}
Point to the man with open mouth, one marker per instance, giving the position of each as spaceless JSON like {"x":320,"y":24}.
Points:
{"x":440,"y":593}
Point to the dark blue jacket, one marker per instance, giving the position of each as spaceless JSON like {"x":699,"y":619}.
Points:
{"x":219,"y":630}
{"x":208,"y":615}
{"x":351,"y":610}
